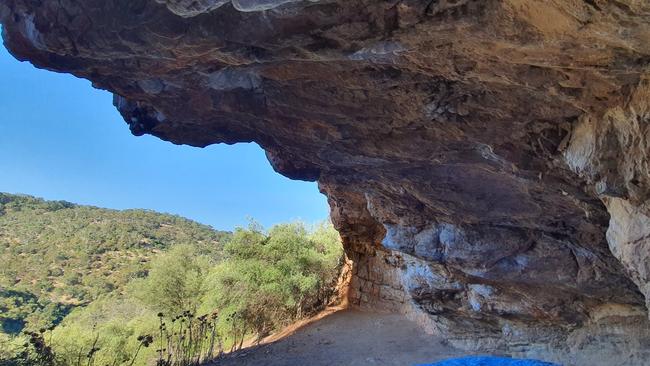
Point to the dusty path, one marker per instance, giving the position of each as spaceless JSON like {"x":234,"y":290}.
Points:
{"x":348,"y":337}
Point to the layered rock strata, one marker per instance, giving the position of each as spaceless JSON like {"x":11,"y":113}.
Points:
{"x":486,"y":162}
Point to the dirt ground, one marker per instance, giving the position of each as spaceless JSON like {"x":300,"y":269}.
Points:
{"x":347,"y":337}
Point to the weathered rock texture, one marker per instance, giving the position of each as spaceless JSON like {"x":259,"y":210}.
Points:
{"x":487,"y":162}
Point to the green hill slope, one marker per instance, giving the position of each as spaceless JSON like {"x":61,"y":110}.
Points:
{"x":55,"y":255}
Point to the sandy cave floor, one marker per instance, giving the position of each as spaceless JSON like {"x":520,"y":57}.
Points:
{"x":348,"y":337}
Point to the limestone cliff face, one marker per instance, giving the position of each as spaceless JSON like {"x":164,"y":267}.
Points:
{"x":486,"y":162}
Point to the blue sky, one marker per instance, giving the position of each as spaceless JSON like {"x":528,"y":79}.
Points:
{"x":62,"y":139}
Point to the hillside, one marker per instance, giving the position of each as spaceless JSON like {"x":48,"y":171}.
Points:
{"x":80,"y":282}
{"x":57,"y":255}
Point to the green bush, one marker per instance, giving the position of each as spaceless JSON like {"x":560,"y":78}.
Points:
{"x":269,"y":280}
{"x":265,"y":280}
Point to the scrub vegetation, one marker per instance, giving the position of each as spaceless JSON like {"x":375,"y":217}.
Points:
{"x":82,"y":285}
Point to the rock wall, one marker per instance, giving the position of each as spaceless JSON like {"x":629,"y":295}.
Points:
{"x":613,"y":154}
{"x":486,"y":162}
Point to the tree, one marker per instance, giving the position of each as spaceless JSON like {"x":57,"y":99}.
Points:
{"x":175,"y":281}
{"x":270,"y":279}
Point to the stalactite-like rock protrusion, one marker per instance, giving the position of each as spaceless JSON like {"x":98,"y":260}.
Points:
{"x":486,"y":162}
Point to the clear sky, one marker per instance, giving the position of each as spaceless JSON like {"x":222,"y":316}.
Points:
{"x":62,"y":139}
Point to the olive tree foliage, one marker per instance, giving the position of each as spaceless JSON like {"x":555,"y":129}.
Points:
{"x":175,"y":281}
{"x":269,"y":279}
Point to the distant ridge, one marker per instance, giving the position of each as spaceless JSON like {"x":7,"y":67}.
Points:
{"x":58,"y":254}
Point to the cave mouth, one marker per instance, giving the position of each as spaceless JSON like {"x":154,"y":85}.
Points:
{"x":490,"y":182}
{"x":113,"y":223}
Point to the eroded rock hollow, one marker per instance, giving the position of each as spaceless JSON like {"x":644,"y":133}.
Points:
{"x":486,"y":162}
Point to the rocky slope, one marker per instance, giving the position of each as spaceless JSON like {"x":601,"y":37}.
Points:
{"x":486,"y":162}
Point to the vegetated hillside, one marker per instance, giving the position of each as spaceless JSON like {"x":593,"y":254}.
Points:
{"x":96,"y":286}
{"x":194,"y":308}
{"x":56,"y":255}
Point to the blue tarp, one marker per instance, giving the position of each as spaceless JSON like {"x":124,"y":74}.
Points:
{"x":489,"y":361}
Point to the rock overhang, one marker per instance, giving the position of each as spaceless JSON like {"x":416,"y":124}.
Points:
{"x":486,"y":161}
